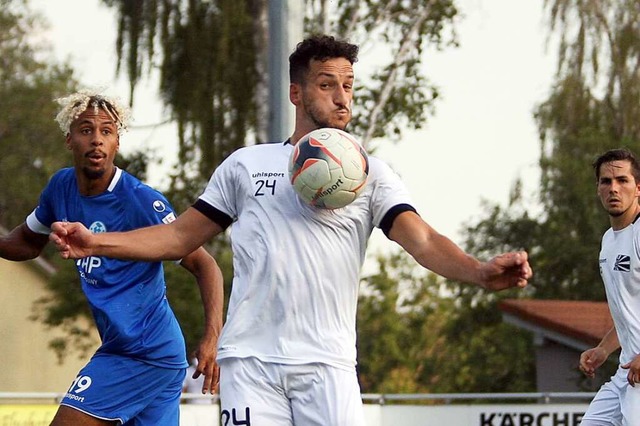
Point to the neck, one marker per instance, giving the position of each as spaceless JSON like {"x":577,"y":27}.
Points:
{"x":302,"y":127}
{"x":625,"y":219}
{"x":88,"y":186}
{"x":297,"y":135}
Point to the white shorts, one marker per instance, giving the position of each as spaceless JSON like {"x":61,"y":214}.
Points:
{"x":254,"y":393}
{"x":616,"y":404}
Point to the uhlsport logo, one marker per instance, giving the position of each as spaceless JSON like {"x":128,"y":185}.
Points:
{"x":159,"y":206}
{"x":97,"y":227}
{"x":623,"y":263}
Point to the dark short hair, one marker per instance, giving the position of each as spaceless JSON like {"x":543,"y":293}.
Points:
{"x":319,"y":48}
{"x":619,"y":154}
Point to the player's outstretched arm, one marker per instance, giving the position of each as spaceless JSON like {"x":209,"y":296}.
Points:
{"x":155,"y":243}
{"x":592,"y":359}
{"x":211,"y":283}
{"x":440,"y":255}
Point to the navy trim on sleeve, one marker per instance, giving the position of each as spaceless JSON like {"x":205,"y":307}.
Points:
{"x":390,"y":216}
{"x":221,"y":218}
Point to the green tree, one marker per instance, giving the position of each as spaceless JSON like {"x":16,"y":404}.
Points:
{"x":31,"y":148}
{"x":593,"y":106}
{"x":206,"y":55}
{"x":415,"y":336}
{"x":386,"y":324}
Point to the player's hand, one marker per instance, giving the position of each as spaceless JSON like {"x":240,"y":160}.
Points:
{"x":591,"y":359}
{"x":72,"y":239}
{"x":506,"y":271}
{"x":633,"y":376}
{"x":207,"y":366}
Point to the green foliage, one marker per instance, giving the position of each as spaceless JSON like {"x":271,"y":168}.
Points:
{"x":415,"y":336}
{"x":592,"y":107}
{"x":206,"y":53}
{"x":484,"y":354}
{"x":31,"y":146}
{"x":394,"y":95}
{"x":212,"y":55}
{"x":394,"y":306}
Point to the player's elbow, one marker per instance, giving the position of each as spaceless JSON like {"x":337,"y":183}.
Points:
{"x":198,"y":261}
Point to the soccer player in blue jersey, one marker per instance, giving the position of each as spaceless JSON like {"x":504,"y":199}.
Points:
{"x":136,"y":375}
{"x":287,"y":353}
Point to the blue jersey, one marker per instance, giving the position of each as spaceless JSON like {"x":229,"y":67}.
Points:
{"x":128,"y":299}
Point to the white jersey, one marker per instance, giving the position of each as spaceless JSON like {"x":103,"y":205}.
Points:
{"x":620,"y":270}
{"x":296,"y":267}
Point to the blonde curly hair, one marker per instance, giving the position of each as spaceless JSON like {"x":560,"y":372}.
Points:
{"x":77,"y":103}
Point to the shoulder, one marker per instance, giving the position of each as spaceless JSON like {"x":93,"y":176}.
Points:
{"x":377,"y":163}
{"x":379,"y":169}
{"x":133,"y":189}
{"x":608,"y":234}
{"x":62,"y":181}
{"x":63,"y":175}
{"x":252,"y":157}
{"x":130,"y":182}
{"x":263,"y":149}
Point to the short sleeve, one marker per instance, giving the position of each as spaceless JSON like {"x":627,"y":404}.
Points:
{"x":152,"y":207}
{"x":41,"y":218}
{"x":220,"y":192}
{"x":388,"y":191}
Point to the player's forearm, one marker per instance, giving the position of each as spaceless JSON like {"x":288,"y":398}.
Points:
{"x":442,"y":256}
{"x":211,"y":283}
{"x":154,"y":243}
{"x":610,"y":342}
{"x":211,"y":286}
{"x":433,"y":250}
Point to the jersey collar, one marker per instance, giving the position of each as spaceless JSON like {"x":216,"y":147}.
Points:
{"x":115,"y":180}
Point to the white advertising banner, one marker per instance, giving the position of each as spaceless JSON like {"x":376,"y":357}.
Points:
{"x":480,"y":415}
{"x":420,"y":415}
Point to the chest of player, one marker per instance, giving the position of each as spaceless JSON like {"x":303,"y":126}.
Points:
{"x":102,"y":213}
{"x":620,"y":263}
{"x":269,"y":194}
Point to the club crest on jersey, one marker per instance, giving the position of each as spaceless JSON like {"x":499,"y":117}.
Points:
{"x":623,"y":263}
{"x":97,"y":227}
{"x":159,"y":206}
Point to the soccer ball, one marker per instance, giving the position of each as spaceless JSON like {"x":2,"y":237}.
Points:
{"x":328,"y":168}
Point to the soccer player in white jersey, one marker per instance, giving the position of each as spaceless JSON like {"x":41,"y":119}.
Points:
{"x":618,"y":401}
{"x":287,"y":352}
{"x":135,"y":377}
